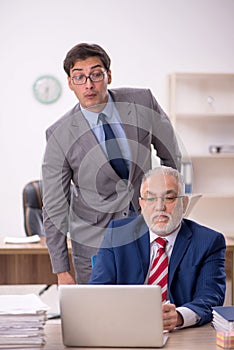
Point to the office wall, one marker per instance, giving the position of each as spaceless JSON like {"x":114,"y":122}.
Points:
{"x":147,"y":40}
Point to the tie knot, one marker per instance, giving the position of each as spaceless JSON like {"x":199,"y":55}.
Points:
{"x":162,"y":242}
{"x":102,"y":118}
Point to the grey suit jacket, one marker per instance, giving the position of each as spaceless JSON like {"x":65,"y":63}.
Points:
{"x":98,"y":195}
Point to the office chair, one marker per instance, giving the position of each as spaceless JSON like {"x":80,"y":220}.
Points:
{"x":32,"y":208}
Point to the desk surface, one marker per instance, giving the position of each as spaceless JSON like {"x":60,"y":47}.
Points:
{"x":202,"y":338}
{"x":27,"y":263}
{"x":28,"y":248}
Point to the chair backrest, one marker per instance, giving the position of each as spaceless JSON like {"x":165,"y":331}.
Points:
{"x":32,"y":207}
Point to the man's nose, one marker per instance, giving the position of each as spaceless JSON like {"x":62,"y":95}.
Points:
{"x":159,"y":204}
{"x":89,"y":82}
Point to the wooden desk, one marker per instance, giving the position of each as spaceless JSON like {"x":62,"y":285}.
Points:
{"x":202,"y":338}
{"x":26,"y":264}
{"x":30,"y":264}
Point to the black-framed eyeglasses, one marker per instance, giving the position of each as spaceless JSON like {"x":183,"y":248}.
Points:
{"x":164,"y":199}
{"x":94,"y":77}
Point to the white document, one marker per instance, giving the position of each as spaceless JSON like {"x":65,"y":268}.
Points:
{"x":22,"y":240}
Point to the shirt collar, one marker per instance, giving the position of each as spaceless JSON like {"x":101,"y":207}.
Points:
{"x":170,"y":238}
{"x":92,"y":117}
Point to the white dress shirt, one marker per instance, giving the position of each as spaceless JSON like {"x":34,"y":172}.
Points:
{"x":113,"y":118}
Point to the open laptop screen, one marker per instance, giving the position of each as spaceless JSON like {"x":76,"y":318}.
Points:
{"x":111,"y":315}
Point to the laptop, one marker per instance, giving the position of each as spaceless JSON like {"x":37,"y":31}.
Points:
{"x":111,"y":315}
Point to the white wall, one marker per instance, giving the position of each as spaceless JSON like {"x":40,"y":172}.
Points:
{"x":147,"y":40}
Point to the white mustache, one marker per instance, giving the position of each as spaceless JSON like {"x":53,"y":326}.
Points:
{"x":155,"y":215}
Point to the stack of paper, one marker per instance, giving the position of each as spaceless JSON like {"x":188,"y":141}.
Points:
{"x":22,"y":321}
{"x":223,"y":318}
{"x":223,"y":322}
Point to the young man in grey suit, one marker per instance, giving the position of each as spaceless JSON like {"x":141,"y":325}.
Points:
{"x":83,"y":185}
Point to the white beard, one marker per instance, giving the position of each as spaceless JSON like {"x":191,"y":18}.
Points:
{"x":174,"y":220}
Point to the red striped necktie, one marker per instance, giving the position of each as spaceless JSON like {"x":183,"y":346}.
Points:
{"x":159,"y":269}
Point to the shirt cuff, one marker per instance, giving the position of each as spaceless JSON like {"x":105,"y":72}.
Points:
{"x":190,"y":317}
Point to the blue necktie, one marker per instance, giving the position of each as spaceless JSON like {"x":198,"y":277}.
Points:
{"x":115,"y":156}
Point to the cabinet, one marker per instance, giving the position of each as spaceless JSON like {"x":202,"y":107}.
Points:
{"x":201,"y":107}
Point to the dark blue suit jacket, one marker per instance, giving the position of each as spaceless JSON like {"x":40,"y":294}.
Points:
{"x":196,"y":269}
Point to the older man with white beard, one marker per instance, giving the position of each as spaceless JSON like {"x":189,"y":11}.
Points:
{"x":191,"y":264}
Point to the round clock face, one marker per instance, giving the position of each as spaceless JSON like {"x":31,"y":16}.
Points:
{"x":47,"y":89}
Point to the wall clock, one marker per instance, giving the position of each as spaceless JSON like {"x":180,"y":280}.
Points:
{"x":47,"y":89}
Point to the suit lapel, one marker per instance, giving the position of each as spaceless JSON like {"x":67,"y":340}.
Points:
{"x":142,"y":243}
{"x":128,"y":116}
{"x":81,"y":131}
{"x":87,"y":140}
{"x":181,"y":244}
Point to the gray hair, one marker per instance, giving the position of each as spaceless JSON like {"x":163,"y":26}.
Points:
{"x":164,"y":170}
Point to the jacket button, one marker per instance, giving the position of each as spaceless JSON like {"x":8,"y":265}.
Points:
{"x":125,"y":213}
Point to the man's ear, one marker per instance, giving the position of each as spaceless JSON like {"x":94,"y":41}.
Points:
{"x":185,"y":203}
{"x":109,"y":76}
{"x":141,"y":202}
{"x":70,"y":83}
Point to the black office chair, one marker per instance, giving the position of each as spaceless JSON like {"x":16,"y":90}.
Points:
{"x":32,"y":206}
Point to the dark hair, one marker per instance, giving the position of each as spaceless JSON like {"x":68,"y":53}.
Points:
{"x":83,"y":51}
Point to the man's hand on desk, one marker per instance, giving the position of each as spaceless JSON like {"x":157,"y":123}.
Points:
{"x":171,"y":318}
{"x":65,"y":278}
